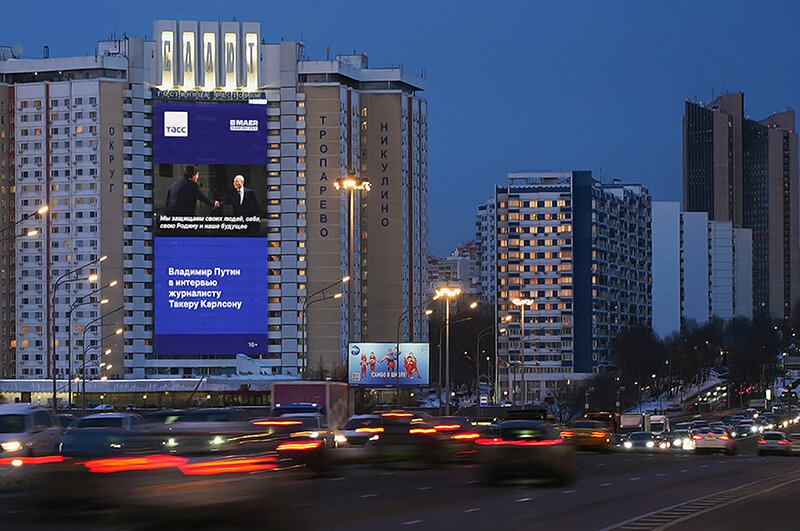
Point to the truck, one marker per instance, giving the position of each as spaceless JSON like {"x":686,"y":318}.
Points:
{"x":659,"y":424}
{"x":631,"y":422}
{"x":327,"y":398}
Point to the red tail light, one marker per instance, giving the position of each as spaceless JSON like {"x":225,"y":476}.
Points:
{"x":397,"y":415}
{"x":567,"y":434}
{"x":501,"y":442}
{"x":762,"y":441}
{"x":310,"y":445}
{"x":422,"y":430}
{"x":724,"y":437}
{"x":465,"y":436}
{"x":784,"y":442}
{"x":276,"y":422}
{"x":123,"y":464}
{"x":227,"y":466}
{"x":598,"y":434}
{"x":369,"y":430}
{"x":19,"y":461}
{"x":697,"y":437}
{"x":447,"y":427}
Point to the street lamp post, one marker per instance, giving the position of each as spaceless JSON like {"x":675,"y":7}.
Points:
{"x":483,"y":333}
{"x":448,"y":293}
{"x":41,"y":211}
{"x":306,"y":305}
{"x":86,"y":349}
{"x":522,"y":303}
{"x":308,"y":302}
{"x":351,"y":185}
{"x":60,"y":281}
{"x":404,"y":314}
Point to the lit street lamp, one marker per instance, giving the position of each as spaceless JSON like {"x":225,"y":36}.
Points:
{"x":448,"y":293}
{"x":86,"y":327}
{"x":351,"y":185}
{"x":522,"y":303}
{"x":308,"y":302}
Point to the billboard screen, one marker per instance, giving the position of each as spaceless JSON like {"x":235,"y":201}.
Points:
{"x":210,"y":246}
{"x":375,"y":365}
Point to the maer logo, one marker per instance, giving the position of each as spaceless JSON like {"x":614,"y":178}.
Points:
{"x":244,"y":125}
{"x":176,"y":123}
{"x":355,"y":351}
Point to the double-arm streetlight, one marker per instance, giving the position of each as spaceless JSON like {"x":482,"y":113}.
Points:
{"x":351,"y":184}
{"x":60,"y":281}
{"x":74,"y":306}
{"x":448,"y":293}
{"x":41,"y":211}
{"x":309,"y":300}
{"x":522,"y":303}
{"x":403,"y":315}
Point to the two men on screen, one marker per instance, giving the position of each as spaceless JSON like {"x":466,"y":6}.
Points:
{"x":184,"y":193}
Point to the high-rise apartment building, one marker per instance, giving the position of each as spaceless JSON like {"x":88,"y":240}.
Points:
{"x":486,"y":233}
{"x":701,"y":269}
{"x":102,"y":140}
{"x":746,"y":172}
{"x":577,"y":253}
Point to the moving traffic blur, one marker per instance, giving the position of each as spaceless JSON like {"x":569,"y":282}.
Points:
{"x":231,"y":468}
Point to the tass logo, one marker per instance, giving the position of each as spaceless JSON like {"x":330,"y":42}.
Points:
{"x":355,"y":351}
{"x":176,"y":123}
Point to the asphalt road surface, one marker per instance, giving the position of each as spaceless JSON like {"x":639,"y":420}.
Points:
{"x":613,"y":491}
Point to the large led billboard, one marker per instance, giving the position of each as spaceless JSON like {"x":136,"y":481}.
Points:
{"x":210,"y":253}
{"x":375,"y":365}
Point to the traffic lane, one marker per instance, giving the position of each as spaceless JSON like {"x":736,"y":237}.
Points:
{"x":608,"y":491}
{"x":775,"y":509}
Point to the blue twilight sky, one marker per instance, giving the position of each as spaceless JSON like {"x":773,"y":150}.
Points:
{"x":512,"y":85}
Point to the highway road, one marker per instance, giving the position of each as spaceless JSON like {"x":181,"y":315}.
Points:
{"x":613,"y":491}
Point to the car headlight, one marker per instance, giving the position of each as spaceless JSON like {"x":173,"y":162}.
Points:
{"x":115,"y":445}
{"x":375,"y":437}
{"x":170,"y":442}
{"x":753,"y":429}
{"x":733,"y":433}
{"x":218,"y":440}
{"x":340,"y":439}
{"x":627,"y":444}
{"x":650,"y":444}
{"x":11,"y":446}
{"x":664,"y":445}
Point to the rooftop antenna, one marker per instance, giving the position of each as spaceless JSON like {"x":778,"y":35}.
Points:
{"x":46,"y":52}
{"x":328,"y":53}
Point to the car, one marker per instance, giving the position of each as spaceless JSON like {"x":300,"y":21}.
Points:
{"x":644,"y":441}
{"x":795,"y":440}
{"x":680,"y":439}
{"x":102,"y":407}
{"x":456,"y":437}
{"x":526,"y":449}
{"x":746,"y":428}
{"x":358,"y":429}
{"x":404,"y":437}
{"x":714,"y":440}
{"x":105,"y":434}
{"x":774,"y":442}
{"x":589,"y":434}
{"x":202,"y":431}
{"x":28,"y":430}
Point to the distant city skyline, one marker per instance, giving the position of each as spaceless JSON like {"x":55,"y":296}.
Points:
{"x":515,"y":86}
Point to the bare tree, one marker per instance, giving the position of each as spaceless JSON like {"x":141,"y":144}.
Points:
{"x":568,"y":399}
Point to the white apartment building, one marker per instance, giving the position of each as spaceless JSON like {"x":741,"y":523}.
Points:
{"x":701,"y":269}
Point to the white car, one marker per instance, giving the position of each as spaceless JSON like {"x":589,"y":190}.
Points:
{"x":102,"y":407}
{"x":714,"y":440}
{"x":28,"y":430}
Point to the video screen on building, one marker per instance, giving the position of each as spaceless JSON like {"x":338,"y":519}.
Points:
{"x":375,"y":365}
{"x":210,"y":251}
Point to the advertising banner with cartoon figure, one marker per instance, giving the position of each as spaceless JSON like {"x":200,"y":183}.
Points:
{"x":382,"y":365}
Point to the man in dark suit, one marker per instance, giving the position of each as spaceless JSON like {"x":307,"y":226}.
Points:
{"x":184,"y":193}
{"x":243,"y":200}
